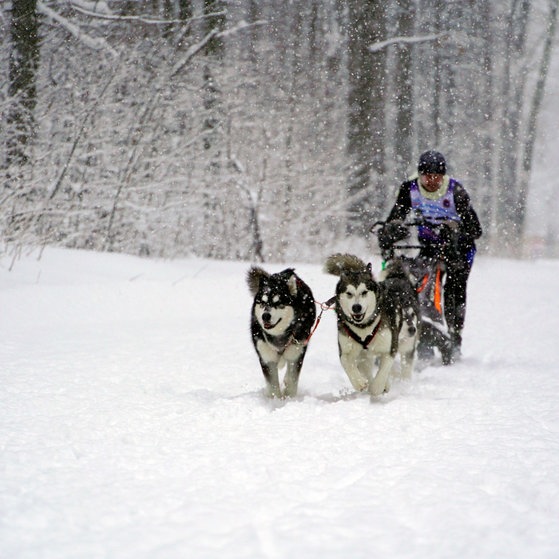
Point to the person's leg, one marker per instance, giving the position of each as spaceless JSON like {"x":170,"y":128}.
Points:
{"x":455,"y":300}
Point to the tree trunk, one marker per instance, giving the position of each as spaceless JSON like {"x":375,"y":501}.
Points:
{"x":513,"y":90}
{"x":534,"y":111}
{"x":403,"y":83}
{"x":24,"y":61}
{"x":214,"y":22}
{"x":366,"y":122}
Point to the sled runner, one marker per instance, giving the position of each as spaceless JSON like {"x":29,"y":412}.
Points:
{"x":426,"y":266}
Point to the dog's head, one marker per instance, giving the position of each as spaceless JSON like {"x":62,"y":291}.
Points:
{"x":357,"y":295}
{"x":357,"y":290}
{"x":274,"y":296}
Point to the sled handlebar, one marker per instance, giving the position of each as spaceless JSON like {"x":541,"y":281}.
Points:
{"x":392,"y":235}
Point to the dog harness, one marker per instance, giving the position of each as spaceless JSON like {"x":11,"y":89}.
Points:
{"x":365,"y":343}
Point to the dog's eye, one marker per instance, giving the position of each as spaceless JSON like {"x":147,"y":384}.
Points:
{"x":363,"y":293}
{"x":349,"y":295}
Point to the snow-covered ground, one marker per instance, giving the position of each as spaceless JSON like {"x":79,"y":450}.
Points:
{"x":133,"y":424}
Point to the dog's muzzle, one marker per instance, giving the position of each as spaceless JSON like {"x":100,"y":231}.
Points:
{"x":357,"y":313}
{"x":266,"y":321}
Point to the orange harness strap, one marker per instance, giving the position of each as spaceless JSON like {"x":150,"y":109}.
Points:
{"x":438,"y":291}
{"x":437,"y":295}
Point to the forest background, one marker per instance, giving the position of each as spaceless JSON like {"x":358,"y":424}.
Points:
{"x":265,"y":129}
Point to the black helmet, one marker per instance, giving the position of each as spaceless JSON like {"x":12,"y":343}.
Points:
{"x":431,"y":163}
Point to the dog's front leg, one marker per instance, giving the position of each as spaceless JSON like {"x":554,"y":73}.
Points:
{"x":291,"y":380}
{"x":407,"y":360}
{"x":365,"y":365}
{"x":380,"y":383}
{"x":294,"y":356}
{"x":270,"y":371}
{"x":349,"y":361}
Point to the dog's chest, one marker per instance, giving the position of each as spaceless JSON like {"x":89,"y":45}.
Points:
{"x":271,"y":352}
{"x":374,"y":339}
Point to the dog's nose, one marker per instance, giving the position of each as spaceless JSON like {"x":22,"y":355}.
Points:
{"x":356,"y":309}
{"x":266,"y":317}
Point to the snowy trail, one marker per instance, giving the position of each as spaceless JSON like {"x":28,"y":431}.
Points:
{"x":133,"y":425}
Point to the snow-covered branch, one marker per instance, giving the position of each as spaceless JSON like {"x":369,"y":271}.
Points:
{"x":197,"y":47}
{"x":95,"y":43}
{"x":407,"y":40}
{"x":192,"y":51}
{"x":95,"y":7}
{"x":108,"y":15}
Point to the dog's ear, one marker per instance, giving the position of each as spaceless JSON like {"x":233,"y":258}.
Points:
{"x":344,"y":278}
{"x":370,"y":270}
{"x":254,"y":278}
{"x":292,"y":284}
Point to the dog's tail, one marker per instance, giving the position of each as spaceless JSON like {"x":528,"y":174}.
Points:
{"x":254,"y":276}
{"x":336,"y":264}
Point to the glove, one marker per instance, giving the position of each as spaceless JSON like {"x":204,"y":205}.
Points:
{"x":392,"y":232}
{"x":453,"y":225}
{"x":450,"y":234}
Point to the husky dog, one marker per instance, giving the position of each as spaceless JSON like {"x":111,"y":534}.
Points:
{"x":283,"y":314}
{"x":375,"y":320}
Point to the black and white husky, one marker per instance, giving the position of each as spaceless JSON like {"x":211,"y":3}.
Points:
{"x":376,"y":319}
{"x":283,"y":314}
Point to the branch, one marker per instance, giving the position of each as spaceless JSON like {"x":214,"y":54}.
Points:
{"x":192,"y":51}
{"x":95,"y":7}
{"x":407,"y":40}
{"x":242,"y":25}
{"x":94,"y":43}
{"x":77,"y":139}
{"x":196,"y":48}
{"x":142,"y":18}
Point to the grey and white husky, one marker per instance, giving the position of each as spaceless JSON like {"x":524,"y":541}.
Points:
{"x":283,"y":314}
{"x":376,"y":320}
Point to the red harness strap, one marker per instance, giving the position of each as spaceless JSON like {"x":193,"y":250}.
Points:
{"x":323,"y":307}
{"x":423,"y":283}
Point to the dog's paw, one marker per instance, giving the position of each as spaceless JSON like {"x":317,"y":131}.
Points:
{"x":361,"y":386}
{"x":273,"y":392}
{"x":378,"y":389}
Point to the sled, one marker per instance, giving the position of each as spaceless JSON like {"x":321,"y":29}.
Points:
{"x":427,"y":273}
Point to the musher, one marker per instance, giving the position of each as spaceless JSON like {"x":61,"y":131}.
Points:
{"x":440,"y":199}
